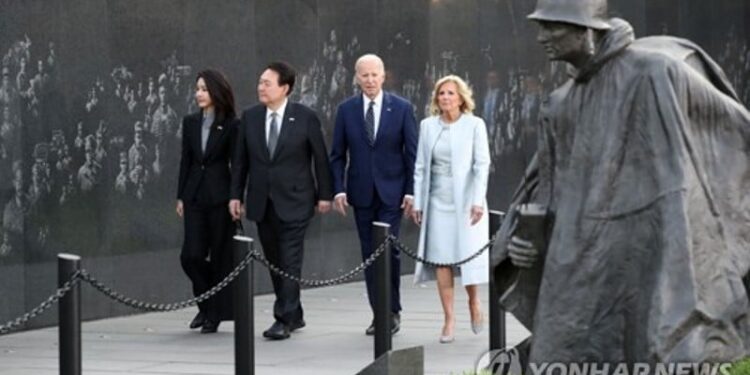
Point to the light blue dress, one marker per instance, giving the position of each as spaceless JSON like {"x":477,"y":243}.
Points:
{"x":442,"y":240}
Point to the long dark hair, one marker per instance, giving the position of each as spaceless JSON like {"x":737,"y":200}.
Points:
{"x":221,"y":93}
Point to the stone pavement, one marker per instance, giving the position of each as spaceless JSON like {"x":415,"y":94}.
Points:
{"x":332,"y":343}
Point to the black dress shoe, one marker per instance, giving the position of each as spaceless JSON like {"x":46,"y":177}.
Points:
{"x":277,"y":331}
{"x":297,"y":325}
{"x":210,"y":326}
{"x":370,"y":331}
{"x":395,"y":325}
{"x":197,"y":322}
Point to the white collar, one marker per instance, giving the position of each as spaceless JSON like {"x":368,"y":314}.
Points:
{"x":280,"y":111}
{"x":378,"y":100}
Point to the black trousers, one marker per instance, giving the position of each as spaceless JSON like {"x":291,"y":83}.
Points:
{"x":206,"y":255}
{"x":283,"y":245}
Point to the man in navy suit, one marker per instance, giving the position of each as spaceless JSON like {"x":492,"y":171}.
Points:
{"x":281,"y":158}
{"x":377,"y":134}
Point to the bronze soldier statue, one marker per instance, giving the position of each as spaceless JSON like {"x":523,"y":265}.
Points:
{"x":643,"y":178}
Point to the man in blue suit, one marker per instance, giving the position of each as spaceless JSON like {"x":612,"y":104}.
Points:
{"x":377,"y":134}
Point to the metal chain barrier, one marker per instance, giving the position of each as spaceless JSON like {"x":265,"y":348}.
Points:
{"x":164,"y":307}
{"x":42,"y":307}
{"x":338,"y":280}
{"x":147,"y":306}
{"x":412,"y":254}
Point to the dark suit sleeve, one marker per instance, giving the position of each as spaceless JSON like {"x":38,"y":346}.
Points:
{"x":320,"y":158}
{"x":186,"y":159}
{"x":338,"y":152}
{"x":410,"y":148}
{"x":240,"y":163}
{"x":233,"y":125}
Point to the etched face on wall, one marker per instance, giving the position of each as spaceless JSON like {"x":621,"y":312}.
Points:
{"x":18,"y":180}
{"x":88,"y":148}
{"x":162,"y":95}
{"x":138,"y":134}
{"x":123,"y":162}
{"x":36,"y":174}
{"x":493,"y":79}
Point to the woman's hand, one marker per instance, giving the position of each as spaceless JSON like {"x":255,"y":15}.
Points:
{"x":476,"y":214}
{"x":236,"y":208}
{"x":416,"y":215}
{"x":324,"y":206}
{"x":180,"y":208}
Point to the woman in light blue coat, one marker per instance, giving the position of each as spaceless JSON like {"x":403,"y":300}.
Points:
{"x":450,"y":188}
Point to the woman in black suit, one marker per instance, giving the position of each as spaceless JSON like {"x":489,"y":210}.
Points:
{"x":203,"y":195}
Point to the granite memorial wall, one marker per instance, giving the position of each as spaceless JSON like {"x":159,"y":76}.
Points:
{"x":92,"y":95}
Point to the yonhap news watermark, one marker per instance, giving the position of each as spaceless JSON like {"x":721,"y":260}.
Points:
{"x":680,"y":368}
{"x":508,"y":362}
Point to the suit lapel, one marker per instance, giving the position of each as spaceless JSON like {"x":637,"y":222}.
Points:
{"x":359,"y":105}
{"x":435,"y":129}
{"x":385,"y":115}
{"x":217,"y":131}
{"x":259,"y":131}
{"x":458,"y":140}
{"x":286,"y":124}
{"x":195,"y":129}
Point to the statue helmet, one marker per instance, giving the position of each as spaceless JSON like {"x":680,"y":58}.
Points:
{"x":587,"y":13}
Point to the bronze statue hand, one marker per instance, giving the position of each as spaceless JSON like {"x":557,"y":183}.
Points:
{"x":522,"y":253}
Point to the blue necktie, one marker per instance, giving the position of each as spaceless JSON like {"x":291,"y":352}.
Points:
{"x":370,"y":123}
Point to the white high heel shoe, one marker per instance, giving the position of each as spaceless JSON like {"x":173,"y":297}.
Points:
{"x":446,"y":339}
{"x":477,"y":327}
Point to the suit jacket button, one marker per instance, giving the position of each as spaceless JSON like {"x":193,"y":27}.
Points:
{"x":203,"y":167}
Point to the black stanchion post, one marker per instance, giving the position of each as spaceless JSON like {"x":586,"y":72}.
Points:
{"x":497,"y":313}
{"x":382,"y":271}
{"x":244,"y":317}
{"x":69,"y":315}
